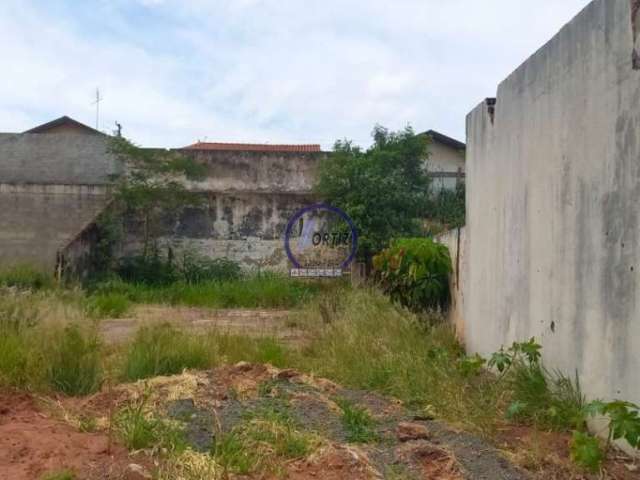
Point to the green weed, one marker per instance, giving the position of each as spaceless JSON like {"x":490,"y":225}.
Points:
{"x":140,"y":429}
{"x":357,"y":422}
{"x":586,"y":451}
{"x":61,"y":475}
{"x":266,"y":437}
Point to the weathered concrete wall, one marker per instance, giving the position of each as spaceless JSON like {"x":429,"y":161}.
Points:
{"x":38,"y":220}
{"x":247,"y":227}
{"x":553,"y":189}
{"x":455,"y":242}
{"x":55,"y":159}
{"x":232,"y":171}
{"x":51,"y":185}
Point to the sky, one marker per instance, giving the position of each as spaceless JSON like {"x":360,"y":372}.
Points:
{"x":263,"y":71}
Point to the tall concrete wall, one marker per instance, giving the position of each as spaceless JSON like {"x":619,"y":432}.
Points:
{"x":36,"y":221}
{"x":51,"y":186}
{"x":553,"y":197}
{"x":247,"y":227}
{"x":249,"y":198}
{"x":55,"y":159}
{"x":455,"y":242}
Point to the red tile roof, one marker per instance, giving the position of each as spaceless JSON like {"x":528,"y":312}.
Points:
{"x":253,"y":147}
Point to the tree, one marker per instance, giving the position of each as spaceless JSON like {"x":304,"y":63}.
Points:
{"x":150,"y":185}
{"x":448,"y":207}
{"x":385,"y":189}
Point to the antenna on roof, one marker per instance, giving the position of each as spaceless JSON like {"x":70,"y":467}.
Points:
{"x":97,"y":104}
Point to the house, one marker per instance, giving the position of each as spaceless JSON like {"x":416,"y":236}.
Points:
{"x":446,"y":162}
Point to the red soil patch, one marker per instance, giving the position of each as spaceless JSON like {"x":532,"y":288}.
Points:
{"x":547,"y":456}
{"x":32,"y":445}
{"x":335,"y":463}
{"x":433,"y":462}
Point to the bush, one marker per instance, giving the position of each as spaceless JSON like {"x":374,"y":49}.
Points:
{"x":25,"y":277}
{"x":415,"y":273}
{"x":448,"y":207}
{"x":148,"y":270}
{"x":164,"y":350}
{"x":191,"y":268}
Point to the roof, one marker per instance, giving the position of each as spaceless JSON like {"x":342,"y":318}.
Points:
{"x":252,"y":147}
{"x":64,"y":120}
{"x":442,"y":138}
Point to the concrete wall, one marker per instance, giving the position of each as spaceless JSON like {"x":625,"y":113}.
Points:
{"x":247,"y":227}
{"x":52,"y":185}
{"x":55,"y":159}
{"x":455,"y":242}
{"x":553,"y":195}
{"x":38,"y":220}
{"x":250,"y":197}
{"x":268,"y":172}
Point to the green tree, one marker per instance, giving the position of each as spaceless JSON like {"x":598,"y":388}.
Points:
{"x":385,"y":189}
{"x":448,"y":206}
{"x":150,"y":185}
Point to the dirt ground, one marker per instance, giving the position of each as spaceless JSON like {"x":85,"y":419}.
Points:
{"x":33,"y":444}
{"x":41,"y":436}
{"x":253,"y":322}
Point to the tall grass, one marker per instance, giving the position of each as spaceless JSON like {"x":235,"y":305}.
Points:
{"x":25,"y":277}
{"x":47,"y":344}
{"x":165,"y":350}
{"x":257,"y":291}
{"x":371,"y":344}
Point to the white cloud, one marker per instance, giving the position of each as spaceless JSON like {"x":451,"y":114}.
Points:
{"x":264,"y":70}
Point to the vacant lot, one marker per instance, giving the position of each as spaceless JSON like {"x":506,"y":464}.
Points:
{"x":341,"y":384}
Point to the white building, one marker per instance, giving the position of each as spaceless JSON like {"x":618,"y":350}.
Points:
{"x":446,"y":161}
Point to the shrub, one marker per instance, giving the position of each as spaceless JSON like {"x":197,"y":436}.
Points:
{"x":415,"y":273}
{"x":164,"y":350}
{"x":148,"y":269}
